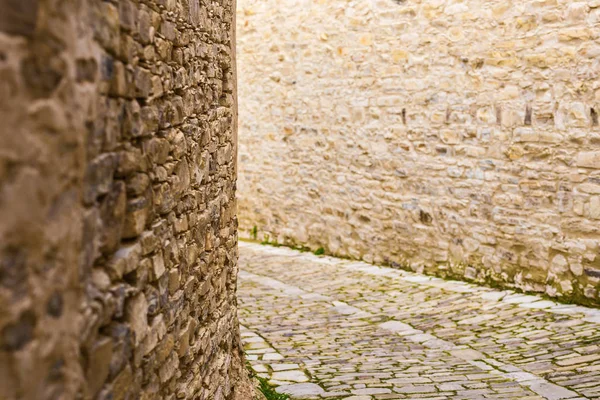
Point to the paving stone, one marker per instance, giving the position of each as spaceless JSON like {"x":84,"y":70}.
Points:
{"x":371,"y":391}
{"x":284,"y":367}
{"x":301,"y":390}
{"x":467,"y":354}
{"x":289,"y":376}
{"x":579,"y":360}
{"x":404,"y":338}
{"x":552,"y":392}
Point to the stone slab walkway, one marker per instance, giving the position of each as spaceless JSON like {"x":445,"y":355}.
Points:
{"x":320,"y":327}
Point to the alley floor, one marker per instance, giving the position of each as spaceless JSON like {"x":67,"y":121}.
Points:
{"x":321,"y":327}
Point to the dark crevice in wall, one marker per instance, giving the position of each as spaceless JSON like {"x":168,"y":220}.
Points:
{"x":499,"y":115}
{"x":18,"y":17}
{"x":528,"y":115}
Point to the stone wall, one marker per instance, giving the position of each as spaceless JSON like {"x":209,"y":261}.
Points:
{"x":455,"y":137}
{"x":117,"y":207}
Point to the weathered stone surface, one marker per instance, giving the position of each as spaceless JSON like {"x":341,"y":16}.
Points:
{"x":112,"y":213}
{"x":450,"y":137}
{"x":18,"y":17}
{"x":16,"y":335}
{"x":101,"y":251}
{"x":99,"y":364}
{"x":137,"y":213}
{"x":289,"y":376}
{"x":301,"y":390}
{"x":137,"y":316}
{"x":588,"y":159}
{"x":412,"y":337}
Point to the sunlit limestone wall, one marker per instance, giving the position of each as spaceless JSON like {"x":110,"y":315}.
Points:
{"x":458,"y":138}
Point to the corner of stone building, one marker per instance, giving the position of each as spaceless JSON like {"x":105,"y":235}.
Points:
{"x":118,"y":231}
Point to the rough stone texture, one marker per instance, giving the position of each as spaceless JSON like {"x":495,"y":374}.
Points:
{"x":118,"y":255}
{"x":455,"y":137}
{"x":409,"y":336}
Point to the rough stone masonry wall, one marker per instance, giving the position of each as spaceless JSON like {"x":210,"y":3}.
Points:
{"x":457,"y":137}
{"x":117,"y":209}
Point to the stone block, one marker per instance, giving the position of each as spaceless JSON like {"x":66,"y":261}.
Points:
{"x":576,"y":33}
{"x":99,"y":177}
{"x":19,"y":17}
{"x":145,"y":29}
{"x":130,"y":161}
{"x":117,"y":85}
{"x":588,"y":159}
{"x":112,"y":214}
{"x":100,"y":355}
{"x":128,"y":15}
{"x":157,"y":331}
{"x":149,"y":242}
{"x":136,"y":217}
{"x":106,"y":26}
{"x":450,"y":136}
{"x":123,"y":347}
{"x":536,"y":135}
{"x":124,"y":261}
{"x":594,"y":207}
{"x":136,"y":315}
{"x":169,"y":368}
{"x":132,"y":125}
{"x":143,"y":82}
{"x":157,"y":150}
{"x":16,"y":335}
{"x":158,"y":266}
{"x":138,"y":185}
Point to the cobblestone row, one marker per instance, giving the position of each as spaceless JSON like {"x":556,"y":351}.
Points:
{"x":363,"y":332}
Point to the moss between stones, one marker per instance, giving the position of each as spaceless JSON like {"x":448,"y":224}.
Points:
{"x":269,"y":391}
{"x":264,"y":389}
{"x":267,"y":242}
{"x":488,"y":279}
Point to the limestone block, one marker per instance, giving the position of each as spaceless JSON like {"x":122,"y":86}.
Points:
{"x":158,"y":266}
{"x":136,"y":311}
{"x":559,"y":264}
{"x":570,"y":34}
{"x":157,"y":150}
{"x":99,"y":177}
{"x":138,"y":185}
{"x":594,"y":207}
{"x":450,"y":136}
{"x":523,"y":134}
{"x":128,"y":15}
{"x":112,"y":214}
{"x":124,"y":261}
{"x":99,"y":363}
{"x":106,"y":26}
{"x":136,"y":217}
{"x":19,"y":17}
{"x":588,"y":159}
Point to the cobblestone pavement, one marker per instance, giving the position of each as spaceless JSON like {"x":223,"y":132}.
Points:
{"x":320,"y":327}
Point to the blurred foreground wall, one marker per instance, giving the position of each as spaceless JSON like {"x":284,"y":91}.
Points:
{"x":117,"y":209}
{"x":456,"y":137}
